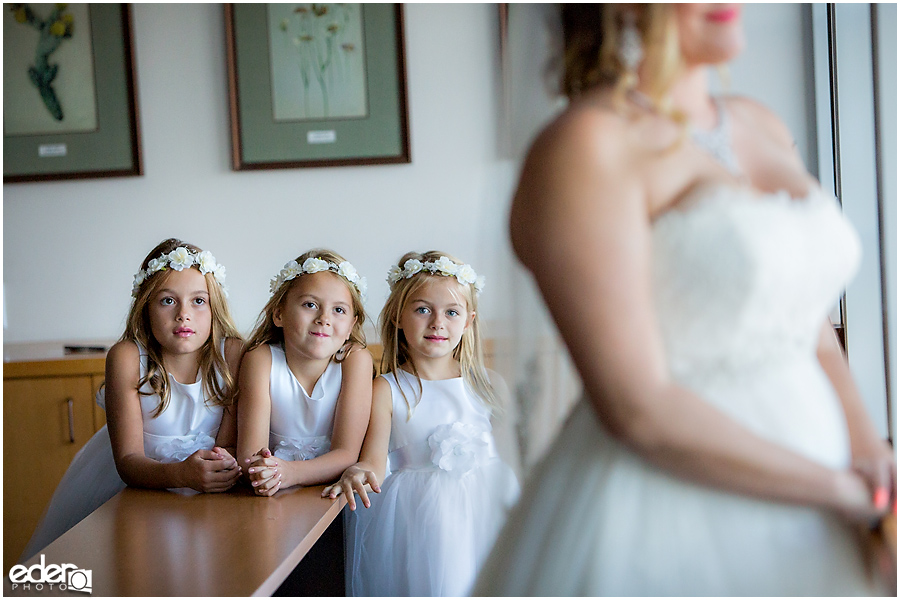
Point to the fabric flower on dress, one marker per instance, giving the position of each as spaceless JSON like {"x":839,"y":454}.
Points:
{"x":302,"y":448}
{"x":180,"y":448}
{"x":459,"y":447}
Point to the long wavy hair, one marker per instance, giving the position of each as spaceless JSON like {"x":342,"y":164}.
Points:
{"x":468,"y":352}
{"x":266,"y":332}
{"x":213,"y":367}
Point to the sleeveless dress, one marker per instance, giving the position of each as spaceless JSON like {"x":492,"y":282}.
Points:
{"x":188,"y":424}
{"x":742,"y":285}
{"x":301,"y":424}
{"x":440,"y":509}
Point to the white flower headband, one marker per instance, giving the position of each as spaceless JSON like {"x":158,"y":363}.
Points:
{"x":314,"y":265}
{"x":178,"y":259}
{"x":464,"y":274}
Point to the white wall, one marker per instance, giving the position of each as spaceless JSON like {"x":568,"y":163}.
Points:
{"x":71,"y":248}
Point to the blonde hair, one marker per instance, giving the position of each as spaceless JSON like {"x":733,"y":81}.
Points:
{"x":591,"y":34}
{"x":266,"y":332}
{"x":468,"y":353}
{"x":213,"y":366}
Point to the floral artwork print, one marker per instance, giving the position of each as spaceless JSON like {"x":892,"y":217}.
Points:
{"x":58,"y":26}
{"x":318,"y":63}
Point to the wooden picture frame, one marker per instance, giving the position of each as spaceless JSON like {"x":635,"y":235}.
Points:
{"x":47,"y":148}
{"x":313,"y":88}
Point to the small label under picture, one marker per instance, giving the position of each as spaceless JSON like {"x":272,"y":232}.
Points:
{"x":321,"y":137}
{"x":48,"y":150}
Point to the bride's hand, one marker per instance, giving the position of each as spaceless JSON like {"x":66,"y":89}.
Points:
{"x":856,"y":501}
{"x":876,"y":464}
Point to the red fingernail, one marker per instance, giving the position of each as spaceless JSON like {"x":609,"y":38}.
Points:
{"x":881,"y":498}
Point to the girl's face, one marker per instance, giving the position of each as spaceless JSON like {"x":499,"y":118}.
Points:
{"x":709,"y":33}
{"x":434,"y":318}
{"x":316,"y":315}
{"x":180,"y":315}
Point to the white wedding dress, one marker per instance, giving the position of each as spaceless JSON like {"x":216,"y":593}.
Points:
{"x":742,"y":284}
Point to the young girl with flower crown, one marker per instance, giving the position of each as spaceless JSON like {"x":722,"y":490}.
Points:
{"x":446,"y":497}
{"x":168,"y":393}
{"x":306,"y":378}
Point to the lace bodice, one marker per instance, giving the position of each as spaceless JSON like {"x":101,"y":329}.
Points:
{"x":742,"y":278}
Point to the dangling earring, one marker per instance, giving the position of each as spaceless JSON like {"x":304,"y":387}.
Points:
{"x":631,"y":47}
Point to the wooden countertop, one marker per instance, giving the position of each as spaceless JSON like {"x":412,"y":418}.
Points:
{"x":162,"y":543}
{"x":51,"y":359}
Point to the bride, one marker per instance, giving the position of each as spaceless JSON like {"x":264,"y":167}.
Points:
{"x":689,"y":262}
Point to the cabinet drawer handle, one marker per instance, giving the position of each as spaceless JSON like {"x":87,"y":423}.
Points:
{"x":71,"y":420}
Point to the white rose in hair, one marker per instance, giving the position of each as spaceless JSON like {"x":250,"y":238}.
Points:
{"x":275,"y":284}
{"x":219,"y":273}
{"x":157,"y":264}
{"x":314,"y":265}
{"x":479,"y":283}
{"x":446,"y":266}
{"x":348,"y":272}
{"x":395,"y":273}
{"x":180,"y":258}
{"x":291,"y":269}
{"x":465,"y":274}
{"x":206,"y":261}
{"x":363,"y":286}
{"x":411,"y":267}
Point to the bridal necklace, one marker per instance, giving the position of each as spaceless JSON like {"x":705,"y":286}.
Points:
{"x":716,"y":142}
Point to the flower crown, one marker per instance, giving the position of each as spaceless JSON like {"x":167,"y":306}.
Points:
{"x":178,"y":259}
{"x":314,"y":265}
{"x":464,"y":274}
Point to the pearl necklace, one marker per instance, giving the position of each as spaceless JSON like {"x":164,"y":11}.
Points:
{"x":716,"y":142}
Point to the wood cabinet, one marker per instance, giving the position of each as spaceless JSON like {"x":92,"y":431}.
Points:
{"x":49,"y":413}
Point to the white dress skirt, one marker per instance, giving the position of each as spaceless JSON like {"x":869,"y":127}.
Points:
{"x":439,"y":511}
{"x":742,"y":283}
{"x":188,"y":424}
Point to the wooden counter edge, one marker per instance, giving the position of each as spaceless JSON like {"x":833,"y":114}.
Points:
{"x":277,"y":577}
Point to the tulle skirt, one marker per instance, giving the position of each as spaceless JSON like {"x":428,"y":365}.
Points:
{"x":90,"y":481}
{"x":427,"y":532}
{"x":596,"y":520}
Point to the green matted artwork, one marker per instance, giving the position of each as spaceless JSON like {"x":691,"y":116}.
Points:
{"x":69,"y":99}
{"x":316,"y":85}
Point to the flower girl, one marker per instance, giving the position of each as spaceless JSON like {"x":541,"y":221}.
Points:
{"x":446,"y":497}
{"x":306,"y":380}
{"x":168,"y":392}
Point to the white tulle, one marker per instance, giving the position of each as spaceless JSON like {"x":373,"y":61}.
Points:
{"x":742,"y":285}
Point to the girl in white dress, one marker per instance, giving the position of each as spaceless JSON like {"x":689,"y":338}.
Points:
{"x":306,"y":380}
{"x":438,"y":511}
{"x":689,"y":262}
{"x":168,"y":393}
